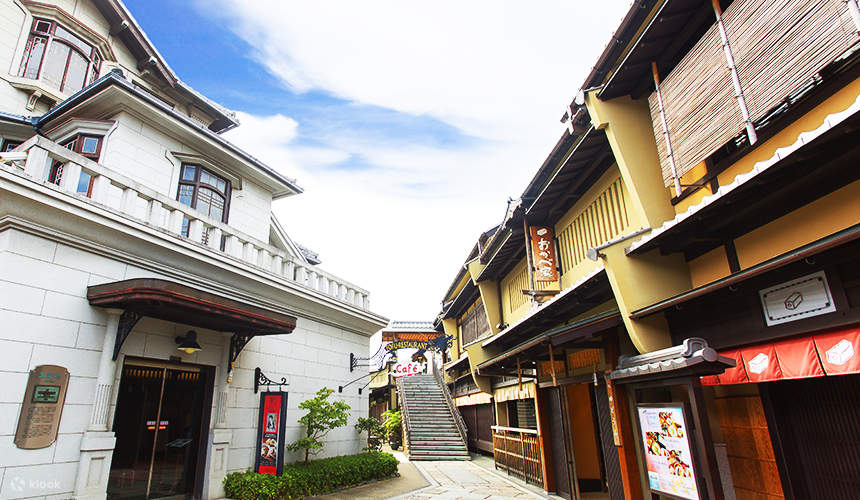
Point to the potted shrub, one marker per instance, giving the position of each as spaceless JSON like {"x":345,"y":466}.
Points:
{"x":392,"y":422}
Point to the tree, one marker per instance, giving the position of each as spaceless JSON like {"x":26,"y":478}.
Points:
{"x":322,"y":416}
{"x":375,"y":432}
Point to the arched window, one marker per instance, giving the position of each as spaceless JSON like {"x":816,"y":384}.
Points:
{"x":204,"y":191}
{"x":59,"y":57}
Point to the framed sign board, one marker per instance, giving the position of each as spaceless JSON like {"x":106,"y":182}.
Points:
{"x":271,"y":425}
{"x":668,"y":454}
{"x":42,"y":407}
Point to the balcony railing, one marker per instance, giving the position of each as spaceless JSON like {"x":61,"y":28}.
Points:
{"x":99,"y":185}
{"x":518,"y":452}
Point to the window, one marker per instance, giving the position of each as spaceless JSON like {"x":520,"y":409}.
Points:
{"x":86,"y":145}
{"x":474,"y":325}
{"x":10,"y":145}
{"x":59,"y":57}
{"x":204,"y":191}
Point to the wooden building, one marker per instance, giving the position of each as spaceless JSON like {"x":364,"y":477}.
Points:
{"x":696,"y":332}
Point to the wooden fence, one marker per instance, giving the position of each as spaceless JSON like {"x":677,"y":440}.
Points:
{"x":518,"y":452}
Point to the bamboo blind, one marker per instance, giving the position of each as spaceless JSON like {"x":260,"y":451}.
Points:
{"x":779,"y":44}
{"x":598,"y":223}
{"x":700,"y":107}
{"x":776,"y":45}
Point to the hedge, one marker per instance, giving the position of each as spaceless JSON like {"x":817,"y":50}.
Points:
{"x":318,"y":476}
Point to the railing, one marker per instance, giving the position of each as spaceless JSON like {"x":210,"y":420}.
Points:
{"x":449,"y":400}
{"x":40,"y":159}
{"x":517,"y":452}
{"x":404,"y":417}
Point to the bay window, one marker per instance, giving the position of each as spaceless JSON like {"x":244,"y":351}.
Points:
{"x":59,"y":57}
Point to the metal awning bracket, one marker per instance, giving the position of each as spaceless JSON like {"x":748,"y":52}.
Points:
{"x":123,"y":328}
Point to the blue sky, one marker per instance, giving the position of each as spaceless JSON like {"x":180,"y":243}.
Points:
{"x":409,"y":124}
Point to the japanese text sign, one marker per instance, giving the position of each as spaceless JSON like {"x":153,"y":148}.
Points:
{"x":543,"y":253}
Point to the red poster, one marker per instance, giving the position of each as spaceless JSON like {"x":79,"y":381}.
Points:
{"x":270,"y":433}
{"x":543,"y":253}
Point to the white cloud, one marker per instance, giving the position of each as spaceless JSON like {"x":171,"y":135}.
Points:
{"x":501,"y":71}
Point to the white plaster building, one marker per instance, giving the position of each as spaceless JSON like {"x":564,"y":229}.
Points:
{"x":126,"y":221}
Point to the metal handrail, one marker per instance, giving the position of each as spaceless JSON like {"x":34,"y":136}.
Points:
{"x":449,"y":400}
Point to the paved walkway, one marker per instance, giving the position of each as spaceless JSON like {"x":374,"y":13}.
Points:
{"x":467,"y":481}
{"x":410,"y":479}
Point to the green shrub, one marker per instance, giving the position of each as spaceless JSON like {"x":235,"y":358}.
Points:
{"x":314,"y":478}
{"x":322,"y":416}
{"x":375,"y":432}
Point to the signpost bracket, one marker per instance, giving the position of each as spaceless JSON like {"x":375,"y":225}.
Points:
{"x":260,"y":378}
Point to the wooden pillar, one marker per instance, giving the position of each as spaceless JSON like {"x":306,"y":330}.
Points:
{"x":704,"y":442}
{"x":626,"y":444}
{"x":543,"y":416}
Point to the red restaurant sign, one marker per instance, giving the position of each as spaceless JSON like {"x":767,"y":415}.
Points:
{"x":543,"y":253}
{"x":270,"y":433}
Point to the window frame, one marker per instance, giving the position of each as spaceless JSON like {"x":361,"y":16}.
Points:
{"x":14,"y":143}
{"x":196,"y":184}
{"x":78,"y":139}
{"x":94,"y":58}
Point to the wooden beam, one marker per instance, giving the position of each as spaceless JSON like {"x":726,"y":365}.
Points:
{"x":519,"y":375}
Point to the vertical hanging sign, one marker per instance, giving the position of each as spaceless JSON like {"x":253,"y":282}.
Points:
{"x":543,"y":253}
{"x":270,"y":433}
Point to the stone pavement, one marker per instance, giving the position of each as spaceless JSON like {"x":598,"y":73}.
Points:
{"x":465,"y":480}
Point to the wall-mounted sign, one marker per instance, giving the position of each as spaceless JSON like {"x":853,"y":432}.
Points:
{"x":406,"y":369}
{"x":667,"y":450}
{"x":797,"y":299}
{"x":271,"y":425}
{"x":42,"y":407}
{"x":543,"y":253}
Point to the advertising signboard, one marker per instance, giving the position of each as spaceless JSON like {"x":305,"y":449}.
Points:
{"x":667,"y":450}
{"x":270,"y":433}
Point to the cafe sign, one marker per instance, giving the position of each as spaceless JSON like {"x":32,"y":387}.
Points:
{"x":271,"y":429}
{"x":42,"y":407}
{"x":543,"y":253}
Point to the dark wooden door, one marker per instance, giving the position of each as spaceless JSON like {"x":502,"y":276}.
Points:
{"x":558,"y":443}
{"x":818,"y":430}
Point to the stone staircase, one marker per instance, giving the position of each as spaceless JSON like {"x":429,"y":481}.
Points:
{"x":431,"y":431}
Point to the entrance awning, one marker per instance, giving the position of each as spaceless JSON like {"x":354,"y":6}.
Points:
{"x":692,"y":358}
{"x":171,"y":301}
{"x":835,"y":352}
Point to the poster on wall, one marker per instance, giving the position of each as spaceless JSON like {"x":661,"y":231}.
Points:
{"x":667,"y":450}
{"x":270,"y":433}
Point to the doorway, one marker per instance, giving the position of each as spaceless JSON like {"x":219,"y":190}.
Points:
{"x":161,"y":420}
{"x":577,"y":456}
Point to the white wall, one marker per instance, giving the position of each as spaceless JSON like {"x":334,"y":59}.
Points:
{"x":139,"y":150}
{"x":46,"y":319}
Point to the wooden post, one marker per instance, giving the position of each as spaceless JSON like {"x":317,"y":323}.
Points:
{"x":704,"y":441}
{"x":529,"y":257}
{"x":552,"y":365}
{"x":519,"y":376}
{"x":627,"y":460}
